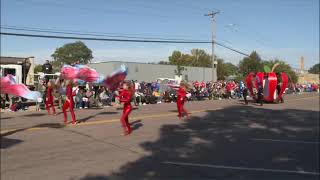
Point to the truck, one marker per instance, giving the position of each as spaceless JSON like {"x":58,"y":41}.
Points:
{"x":20,"y":67}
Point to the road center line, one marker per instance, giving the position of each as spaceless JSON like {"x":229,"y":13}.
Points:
{"x":164,"y":114}
{"x":240,"y":168}
{"x":149,"y":117}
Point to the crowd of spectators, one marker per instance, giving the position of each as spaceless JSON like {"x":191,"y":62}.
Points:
{"x":88,"y":96}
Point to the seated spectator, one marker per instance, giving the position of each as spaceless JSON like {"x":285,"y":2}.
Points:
{"x":16,"y":104}
{"x":156,"y":94}
{"x":86,"y":99}
{"x":105,"y":97}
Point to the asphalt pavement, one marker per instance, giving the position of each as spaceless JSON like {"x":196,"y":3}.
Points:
{"x":223,"y":139}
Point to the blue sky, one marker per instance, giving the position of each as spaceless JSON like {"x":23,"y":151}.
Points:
{"x":285,"y":29}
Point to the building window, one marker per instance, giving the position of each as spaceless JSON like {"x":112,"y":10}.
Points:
{"x":136,"y":69}
{"x":186,"y":77}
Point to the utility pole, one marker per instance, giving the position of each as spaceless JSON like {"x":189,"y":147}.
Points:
{"x":214,"y":62}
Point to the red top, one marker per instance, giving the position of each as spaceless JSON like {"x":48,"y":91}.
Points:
{"x":181,"y":94}
{"x":230,"y":86}
{"x":69,"y":92}
{"x":314,"y":87}
{"x":203,"y":85}
{"x":196,"y":84}
{"x":125,"y":97}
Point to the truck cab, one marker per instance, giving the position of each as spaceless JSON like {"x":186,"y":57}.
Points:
{"x":21,"y":68}
{"x":15,"y":70}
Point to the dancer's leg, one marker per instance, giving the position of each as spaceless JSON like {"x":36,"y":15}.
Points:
{"x":179,"y":109}
{"x":53,"y":108}
{"x":183,"y":110}
{"x":127,"y":112}
{"x":47,"y":106}
{"x":124,"y":119}
{"x":65,"y":106}
{"x":72,"y":113}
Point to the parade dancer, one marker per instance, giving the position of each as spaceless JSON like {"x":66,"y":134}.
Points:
{"x":125,"y":98}
{"x":49,"y":101}
{"x":69,"y":103}
{"x":181,"y":99}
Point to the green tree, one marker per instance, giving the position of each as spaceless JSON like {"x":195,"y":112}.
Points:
{"x":282,"y":67}
{"x":253,"y":63}
{"x":197,"y":58}
{"x":221,"y":71}
{"x":292,"y":76}
{"x":175,"y":58}
{"x":72,"y":52}
{"x":315,"y":69}
{"x":231,"y":69}
{"x":163,"y":62}
{"x":37,"y":68}
{"x":200,"y":58}
{"x":225,"y":69}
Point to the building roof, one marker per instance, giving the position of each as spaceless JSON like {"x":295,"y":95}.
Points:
{"x":123,"y":62}
{"x":12,"y":60}
{"x":101,"y":62}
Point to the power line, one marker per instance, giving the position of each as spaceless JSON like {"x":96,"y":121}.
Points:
{"x":232,"y":49}
{"x":120,"y":40}
{"x":103,"y":39}
{"x":138,"y":35}
{"x":93,"y":34}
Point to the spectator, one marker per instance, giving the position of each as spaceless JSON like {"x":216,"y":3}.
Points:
{"x":156,"y":93}
{"x":25,"y":69}
{"x":16,"y":104}
{"x":3,"y":101}
{"x":105,"y":97}
{"x":245,"y":94}
{"x":78,"y":98}
{"x":47,"y":69}
{"x":77,"y":62}
{"x":85,"y":100}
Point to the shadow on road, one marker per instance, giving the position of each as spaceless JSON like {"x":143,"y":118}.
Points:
{"x":35,"y":115}
{"x":173,"y":111}
{"x":8,"y":142}
{"x":135,"y":125}
{"x":92,"y":116}
{"x":44,"y":125}
{"x":239,"y":142}
{"x":3,"y":118}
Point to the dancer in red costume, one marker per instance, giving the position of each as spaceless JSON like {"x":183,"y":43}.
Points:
{"x":69,"y":103}
{"x":181,"y":99}
{"x":49,"y":98}
{"x":125,"y":97}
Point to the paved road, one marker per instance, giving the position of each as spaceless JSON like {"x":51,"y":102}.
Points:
{"x":222,"y":140}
